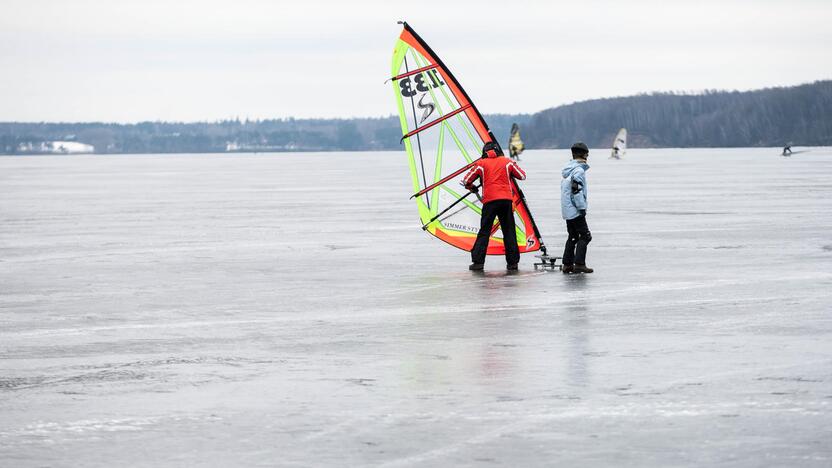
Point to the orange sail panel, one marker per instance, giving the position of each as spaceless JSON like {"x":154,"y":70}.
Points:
{"x":443,"y":131}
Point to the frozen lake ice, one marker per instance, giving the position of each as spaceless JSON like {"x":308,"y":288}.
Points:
{"x":286,"y":310}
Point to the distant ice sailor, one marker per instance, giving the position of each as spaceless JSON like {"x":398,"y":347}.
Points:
{"x":515,"y":143}
{"x":495,"y":171}
{"x":619,"y":144}
{"x":787,"y":150}
{"x":573,"y":202}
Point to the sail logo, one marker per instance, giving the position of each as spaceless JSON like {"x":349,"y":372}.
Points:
{"x":427,"y":107}
{"x":461,"y":227}
{"x":530,"y":242}
{"x":406,"y":84}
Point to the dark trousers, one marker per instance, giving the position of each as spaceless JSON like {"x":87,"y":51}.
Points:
{"x":579,"y":237}
{"x":504,"y":211}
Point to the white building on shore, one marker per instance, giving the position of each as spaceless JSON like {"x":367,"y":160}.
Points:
{"x":55,"y":147}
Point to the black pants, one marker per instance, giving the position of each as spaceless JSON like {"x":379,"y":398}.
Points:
{"x":579,"y":237}
{"x":504,"y":211}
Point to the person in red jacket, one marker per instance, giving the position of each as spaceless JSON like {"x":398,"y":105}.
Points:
{"x":495,"y":171}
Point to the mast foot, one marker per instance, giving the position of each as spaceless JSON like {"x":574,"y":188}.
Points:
{"x":548,"y":263}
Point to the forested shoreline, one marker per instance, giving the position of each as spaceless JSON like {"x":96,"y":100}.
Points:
{"x":801,"y":115}
{"x":768,"y":117}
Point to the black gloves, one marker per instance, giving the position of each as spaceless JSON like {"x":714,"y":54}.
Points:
{"x":576,"y":187}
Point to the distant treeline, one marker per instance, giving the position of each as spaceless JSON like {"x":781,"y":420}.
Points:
{"x":769,"y":117}
{"x":366,"y":134}
{"x":206,"y":137}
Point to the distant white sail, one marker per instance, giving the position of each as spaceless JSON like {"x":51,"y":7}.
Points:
{"x":619,"y":145}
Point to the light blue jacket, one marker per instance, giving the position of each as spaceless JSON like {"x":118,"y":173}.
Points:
{"x":572,"y":203}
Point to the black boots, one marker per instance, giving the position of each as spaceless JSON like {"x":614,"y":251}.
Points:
{"x":480,"y":266}
{"x":582,"y":268}
{"x":577,"y":268}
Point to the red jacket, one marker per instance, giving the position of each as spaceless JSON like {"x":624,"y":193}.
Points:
{"x":496,"y":173}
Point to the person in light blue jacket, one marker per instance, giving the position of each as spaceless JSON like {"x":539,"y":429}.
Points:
{"x":573,"y":204}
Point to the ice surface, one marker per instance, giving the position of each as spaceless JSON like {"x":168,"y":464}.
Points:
{"x":286,"y":310}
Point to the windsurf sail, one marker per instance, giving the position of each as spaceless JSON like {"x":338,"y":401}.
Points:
{"x":443,"y":132}
{"x":515,"y":144}
{"x":619,"y":144}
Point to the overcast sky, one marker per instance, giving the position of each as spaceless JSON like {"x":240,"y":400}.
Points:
{"x":187,"y":60}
